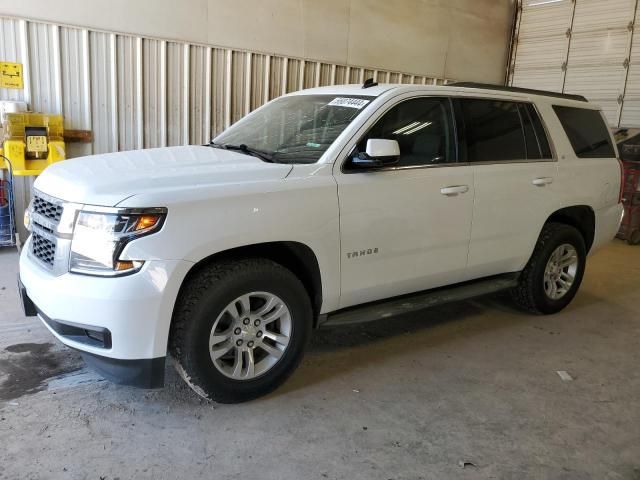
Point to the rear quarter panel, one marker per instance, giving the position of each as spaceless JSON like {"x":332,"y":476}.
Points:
{"x":594,"y":182}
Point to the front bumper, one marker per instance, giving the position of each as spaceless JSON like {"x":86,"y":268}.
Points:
{"x":143,"y":373}
{"x":128,"y":318}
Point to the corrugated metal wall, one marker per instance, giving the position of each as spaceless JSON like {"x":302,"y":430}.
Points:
{"x":588,"y":47}
{"x":136,"y":92}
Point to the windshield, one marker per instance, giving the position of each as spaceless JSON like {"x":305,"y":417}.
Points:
{"x":295,"y":129}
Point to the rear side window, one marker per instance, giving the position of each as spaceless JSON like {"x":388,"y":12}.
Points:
{"x":539,"y":131}
{"x":530,"y":140}
{"x":587,"y":132}
{"x":493,"y":130}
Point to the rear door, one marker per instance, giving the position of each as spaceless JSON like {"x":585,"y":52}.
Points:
{"x":405,"y":227}
{"x":515,"y":185}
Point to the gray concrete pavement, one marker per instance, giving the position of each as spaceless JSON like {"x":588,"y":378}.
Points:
{"x":407,"y":398}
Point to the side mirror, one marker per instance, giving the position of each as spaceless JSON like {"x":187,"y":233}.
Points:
{"x":379,"y":153}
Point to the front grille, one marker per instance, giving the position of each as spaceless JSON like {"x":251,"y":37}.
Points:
{"x":43,"y":249}
{"x":47,"y":209}
{"x":50,"y":249}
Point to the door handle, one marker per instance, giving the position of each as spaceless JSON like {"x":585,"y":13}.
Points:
{"x":542,"y":181}
{"x":454,"y":190}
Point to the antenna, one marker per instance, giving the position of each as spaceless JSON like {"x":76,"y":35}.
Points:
{"x":369,"y":83}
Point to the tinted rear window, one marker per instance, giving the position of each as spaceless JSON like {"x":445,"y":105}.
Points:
{"x":541,"y":135}
{"x":493,"y":130}
{"x":533,"y":149}
{"x":587,"y":132}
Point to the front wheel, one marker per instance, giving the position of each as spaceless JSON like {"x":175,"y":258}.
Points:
{"x":554,"y":273}
{"x":240,"y":329}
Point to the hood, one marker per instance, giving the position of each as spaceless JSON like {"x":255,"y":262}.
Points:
{"x":108,"y":179}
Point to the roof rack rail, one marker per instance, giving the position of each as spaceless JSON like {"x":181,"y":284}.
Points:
{"x":502,"y":88}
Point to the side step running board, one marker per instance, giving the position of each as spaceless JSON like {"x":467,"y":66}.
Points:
{"x":419,"y":301}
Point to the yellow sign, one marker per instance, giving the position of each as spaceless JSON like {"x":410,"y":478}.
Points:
{"x":11,"y":75}
{"x":37,"y":144}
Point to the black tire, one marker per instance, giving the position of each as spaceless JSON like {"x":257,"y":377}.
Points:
{"x":634,"y":238}
{"x":530,"y":293}
{"x":202,"y":300}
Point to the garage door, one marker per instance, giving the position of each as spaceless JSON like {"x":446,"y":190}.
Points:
{"x":586,"y":47}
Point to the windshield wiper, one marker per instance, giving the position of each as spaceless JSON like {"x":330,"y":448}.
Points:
{"x":267,"y":157}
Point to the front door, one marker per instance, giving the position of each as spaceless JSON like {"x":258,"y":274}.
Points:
{"x":405,"y":227}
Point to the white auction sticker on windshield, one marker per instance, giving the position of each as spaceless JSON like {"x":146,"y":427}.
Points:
{"x":348,"y":102}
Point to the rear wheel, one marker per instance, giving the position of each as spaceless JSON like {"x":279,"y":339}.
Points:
{"x":240,"y":329}
{"x":554,"y":273}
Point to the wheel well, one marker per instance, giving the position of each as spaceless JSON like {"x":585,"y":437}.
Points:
{"x":294,"y":256}
{"x":581,"y":217}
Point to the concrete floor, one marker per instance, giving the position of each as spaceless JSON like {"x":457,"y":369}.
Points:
{"x":408,"y":398}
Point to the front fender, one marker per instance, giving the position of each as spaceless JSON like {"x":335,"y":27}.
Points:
{"x":202,"y":223}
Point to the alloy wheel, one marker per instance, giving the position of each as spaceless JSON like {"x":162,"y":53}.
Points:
{"x":250,"y":335}
{"x":560,"y":272}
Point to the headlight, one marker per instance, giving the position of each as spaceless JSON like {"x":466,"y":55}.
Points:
{"x":100,"y":236}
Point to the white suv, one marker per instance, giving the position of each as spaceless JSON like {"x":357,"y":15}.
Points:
{"x":325,"y":206}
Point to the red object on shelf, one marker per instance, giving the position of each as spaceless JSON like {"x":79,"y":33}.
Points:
{"x":630,"y":226}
